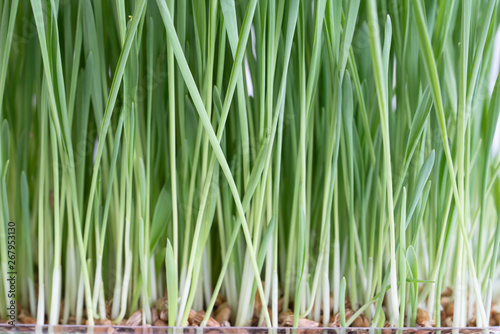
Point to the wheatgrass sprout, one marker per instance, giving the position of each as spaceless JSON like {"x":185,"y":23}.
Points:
{"x":250,"y":163}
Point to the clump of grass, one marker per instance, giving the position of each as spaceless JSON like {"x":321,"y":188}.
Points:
{"x":274,"y":163}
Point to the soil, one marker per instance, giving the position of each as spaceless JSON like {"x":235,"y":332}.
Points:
{"x":221,"y":316}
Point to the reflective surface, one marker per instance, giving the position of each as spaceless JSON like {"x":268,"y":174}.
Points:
{"x":235,"y":330}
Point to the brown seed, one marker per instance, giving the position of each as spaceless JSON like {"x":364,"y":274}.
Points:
{"x":445,"y":301}
{"x":303,"y":322}
{"x":361,"y":321}
{"x":497,"y":319}
{"x":283,"y":315}
{"x":195,"y":318}
{"x":164,"y":315}
{"x":218,"y":301}
{"x":348,"y":313}
{"x":162,"y":304}
{"x":449,"y":309}
{"x":257,"y":307}
{"x":447,"y":292}
{"x":26,"y":319}
{"x":160,"y":323}
{"x":223,"y":313}
{"x":135,"y":319}
{"x":287,"y":320}
{"x":422,"y":316}
{"x":211,"y":322}
{"x":335,"y":320}
{"x":154,"y":315}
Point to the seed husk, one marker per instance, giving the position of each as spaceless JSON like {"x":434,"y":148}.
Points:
{"x":303,"y":322}
{"x":135,"y":319}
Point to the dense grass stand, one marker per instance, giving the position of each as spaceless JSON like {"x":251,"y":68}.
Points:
{"x":250,"y":163}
